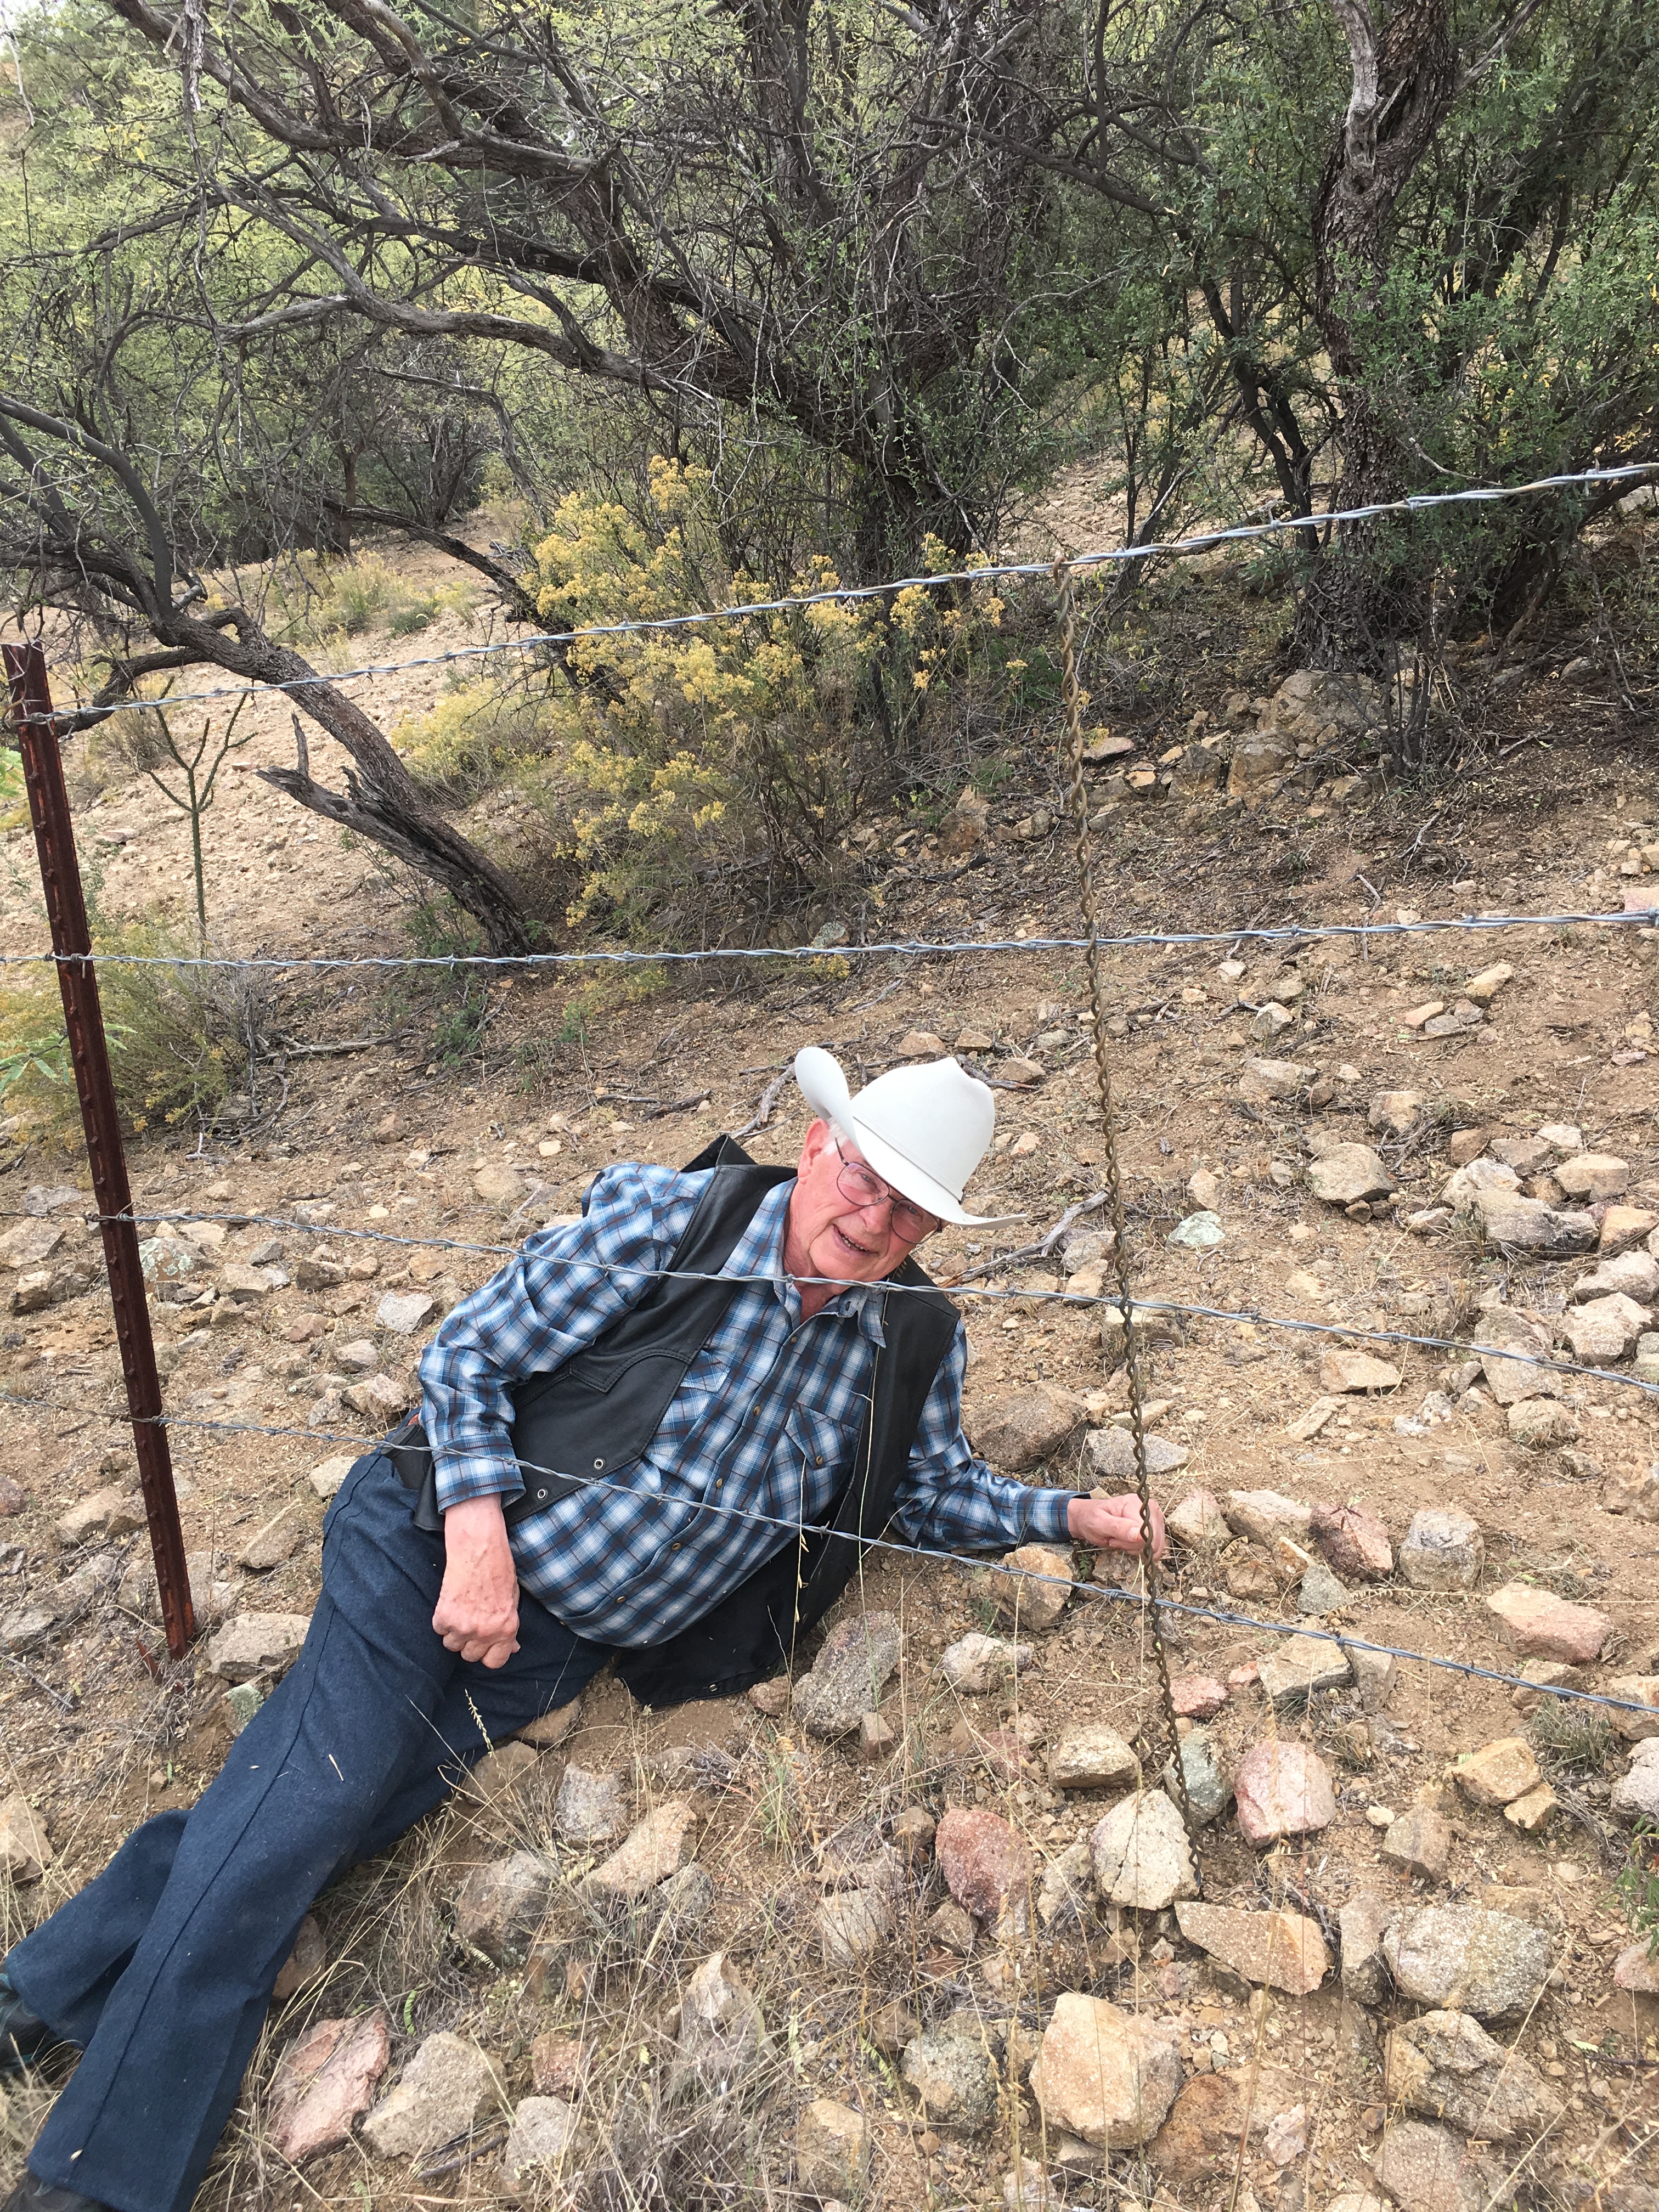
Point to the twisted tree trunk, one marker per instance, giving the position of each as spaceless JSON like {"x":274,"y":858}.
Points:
{"x":1366,"y":590}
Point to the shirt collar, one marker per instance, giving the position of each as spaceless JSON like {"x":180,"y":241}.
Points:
{"x":759,"y":1251}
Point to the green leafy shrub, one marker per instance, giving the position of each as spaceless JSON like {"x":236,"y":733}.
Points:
{"x":178,"y":1036}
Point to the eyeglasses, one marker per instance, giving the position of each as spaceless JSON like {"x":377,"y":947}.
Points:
{"x":866,"y":1189}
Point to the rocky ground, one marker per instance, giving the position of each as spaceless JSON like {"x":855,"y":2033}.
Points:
{"x":930,"y":1931}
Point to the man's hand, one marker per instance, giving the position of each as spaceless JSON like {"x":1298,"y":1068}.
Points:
{"x":477,"y":1613}
{"x":1113,"y":1524}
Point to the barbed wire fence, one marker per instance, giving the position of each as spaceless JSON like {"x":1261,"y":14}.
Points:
{"x":120,"y":1219}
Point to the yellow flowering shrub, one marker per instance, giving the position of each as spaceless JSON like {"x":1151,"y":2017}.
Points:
{"x":715,"y":764}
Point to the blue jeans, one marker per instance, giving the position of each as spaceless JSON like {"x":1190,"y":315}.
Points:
{"x":162,"y":1969}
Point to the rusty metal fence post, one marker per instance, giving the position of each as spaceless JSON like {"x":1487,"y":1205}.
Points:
{"x":66,"y":912}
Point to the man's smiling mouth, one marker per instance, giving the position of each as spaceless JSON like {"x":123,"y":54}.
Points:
{"x":864,"y":1251}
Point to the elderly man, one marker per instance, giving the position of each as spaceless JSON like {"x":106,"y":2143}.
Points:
{"x":657,"y":1438}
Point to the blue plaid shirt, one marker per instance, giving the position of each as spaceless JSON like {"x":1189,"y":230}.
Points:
{"x":766,"y":1418}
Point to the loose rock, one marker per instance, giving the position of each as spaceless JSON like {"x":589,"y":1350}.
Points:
{"x":1526,"y":1225}
{"x":1142,"y":1857}
{"x":1429,"y":2169}
{"x":1637,"y":1792}
{"x":951,"y":2071}
{"x":832,"y":2151}
{"x":848,"y":1675}
{"x":1209,"y":1787}
{"x":1263,"y":1516}
{"x":657,"y":1847}
{"x":1341,"y":1370}
{"x":1635,"y":1689}
{"x":1445,"y":2064}
{"x":1282,"y":1949}
{"x":1593,"y":1175}
{"x":257,"y":1644}
{"x":1360,"y":1924}
{"x":1443,"y":1549}
{"x":985,"y":1864}
{"x":324,"y":2081}
{"x":1109,"y":1456}
{"x":1199,"y":2141}
{"x":1349,"y":1175}
{"x":976,"y":1664}
{"x":1198,"y":1520}
{"x":1540,"y":1626}
{"x":1463,"y":1958}
{"x":542,"y":2138}
{"x":1602,"y":1329}
{"x":501,"y":1905}
{"x":1419,"y":1841}
{"x":438,"y":2098}
{"x":25,"y":1853}
{"x":1293,"y":1670}
{"x":590,"y":1807}
{"x":1025,"y":1430}
{"x":1092,"y":1755}
{"x":1104,"y":2075}
{"x":1500,"y":1772}
{"x":269,"y":1546}
{"x":1282,"y":1788}
{"x":1354,"y":1541}
{"x":853,"y":1926}
{"x":1037,"y":1596}
{"x":1541,"y":1424}
{"x":303,"y":1963}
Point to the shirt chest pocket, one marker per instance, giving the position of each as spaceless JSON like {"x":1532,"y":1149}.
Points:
{"x":817,"y":1445}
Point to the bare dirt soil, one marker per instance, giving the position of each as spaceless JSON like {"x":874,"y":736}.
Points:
{"x":98,"y":1729}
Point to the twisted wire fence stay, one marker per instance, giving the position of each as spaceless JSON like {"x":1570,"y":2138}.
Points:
{"x":1122,"y":1263}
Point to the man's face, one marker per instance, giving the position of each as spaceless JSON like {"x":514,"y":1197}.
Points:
{"x":829,"y":1233}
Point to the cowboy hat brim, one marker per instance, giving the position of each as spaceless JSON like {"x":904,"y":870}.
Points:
{"x":823,"y":1086}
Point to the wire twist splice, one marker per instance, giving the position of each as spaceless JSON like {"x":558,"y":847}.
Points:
{"x":1077,"y":800}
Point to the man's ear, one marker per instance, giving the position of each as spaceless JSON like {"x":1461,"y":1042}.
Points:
{"x":813,"y":1144}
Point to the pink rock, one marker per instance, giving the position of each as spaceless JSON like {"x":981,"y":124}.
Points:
{"x":1197,"y":1697}
{"x":324,"y":2081}
{"x":1540,"y":1626}
{"x":982,"y":1860}
{"x":1241,"y":1678}
{"x":1354,"y":1541}
{"x":1637,"y":1972}
{"x":1282,"y":1789}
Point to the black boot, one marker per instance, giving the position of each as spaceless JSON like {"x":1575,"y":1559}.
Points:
{"x":23,"y":2034}
{"x":32,"y":2195}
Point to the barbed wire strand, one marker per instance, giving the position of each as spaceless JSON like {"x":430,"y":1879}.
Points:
{"x":909,"y":948}
{"x":843,"y":594}
{"x":1104,"y":1592}
{"x":1082,"y":1299}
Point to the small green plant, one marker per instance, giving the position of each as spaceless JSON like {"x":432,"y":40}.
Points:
{"x":1571,"y":1739}
{"x":415,"y":614}
{"x":151,"y":745}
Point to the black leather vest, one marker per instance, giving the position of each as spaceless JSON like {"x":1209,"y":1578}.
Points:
{"x":598,"y":1412}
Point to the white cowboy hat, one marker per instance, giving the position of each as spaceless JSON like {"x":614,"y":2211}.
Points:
{"x":923,"y":1129}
